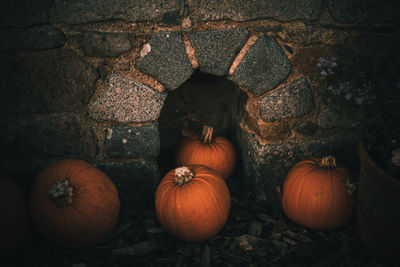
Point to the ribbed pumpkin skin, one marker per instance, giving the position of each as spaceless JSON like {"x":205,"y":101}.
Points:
{"x":317,"y":197}
{"x":220,"y":155}
{"x":93,"y":213}
{"x":194,"y":211}
{"x":13,"y":222}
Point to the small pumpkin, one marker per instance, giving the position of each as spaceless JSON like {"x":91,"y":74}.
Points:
{"x":317,"y":194}
{"x":192,"y":203}
{"x":74,"y":204}
{"x":217,"y":153}
{"x":13,"y":223}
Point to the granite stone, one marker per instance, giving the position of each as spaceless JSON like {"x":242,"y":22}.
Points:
{"x":41,"y":38}
{"x":81,"y":12}
{"x":216,"y":49}
{"x":23,"y":13}
{"x":263,"y":67}
{"x":136,"y":182}
{"x":55,"y":80}
{"x":292,"y":101}
{"x":241,"y":10}
{"x":360,"y":11}
{"x":133,"y":142}
{"x":39,"y":136}
{"x":127,"y":100}
{"x":166,"y":60}
{"x":109,"y":44}
{"x":265,"y":166}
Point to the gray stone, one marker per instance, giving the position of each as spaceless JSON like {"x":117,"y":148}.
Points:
{"x":127,"y":100}
{"x":110,"y":44}
{"x":133,"y":142}
{"x":81,"y":12}
{"x":23,"y":13}
{"x":136,"y":182}
{"x":241,"y":10}
{"x":263,"y":67}
{"x":359,"y":11}
{"x":265,"y":166}
{"x":167,"y":60}
{"x":40,"y":136}
{"x":292,"y":101}
{"x":49,"y":81}
{"x":42,"y":38}
{"x":216,"y":49}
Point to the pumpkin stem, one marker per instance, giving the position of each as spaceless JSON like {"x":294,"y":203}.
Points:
{"x":207,"y":134}
{"x":328,"y":162}
{"x":61,"y":192}
{"x":183,"y":175}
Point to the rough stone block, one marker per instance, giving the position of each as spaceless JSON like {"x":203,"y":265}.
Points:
{"x":133,"y":142}
{"x":42,"y":38}
{"x":216,"y":49}
{"x":263,"y":67}
{"x":110,"y":44}
{"x":81,"y":12}
{"x":240,"y":10}
{"x":49,"y":81}
{"x":292,"y":101}
{"x":166,"y":59}
{"x":359,"y":11}
{"x":127,"y":100}
{"x":265,"y":166}
{"x":136,"y":182}
{"x":23,"y":13}
{"x":44,"y":136}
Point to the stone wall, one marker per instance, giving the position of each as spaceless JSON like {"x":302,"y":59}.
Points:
{"x":88,"y":79}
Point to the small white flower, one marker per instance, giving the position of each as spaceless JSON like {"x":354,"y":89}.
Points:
{"x":324,"y":73}
{"x":359,"y":100}
{"x":347,"y":96}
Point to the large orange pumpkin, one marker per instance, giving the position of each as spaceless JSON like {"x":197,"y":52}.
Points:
{"x":13,"y":222}
{"x":192,"y":203}
{"x":216,"y":153}
{"x":316,"y":193}
{"x":74,"y":204}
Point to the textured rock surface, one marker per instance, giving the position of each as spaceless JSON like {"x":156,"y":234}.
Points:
{"x":217,"y":49}
{"x":167,"y":60}
{"x":42,"y":38}
{"x":49,"y":81}
{"x":133,"y":142}
{"x":110,"y":44}
{"x":127,"y":100}
{"x":240,"y":10}
{"x":292,"y":101}
{"x":77,"y":12}
{"x":358,"y":11}
{"x":136,"y":182}
{"x":23,"y":13}
{"x":266,"y":165}
{"x":44,"y":136}
{"x":263,"y":68}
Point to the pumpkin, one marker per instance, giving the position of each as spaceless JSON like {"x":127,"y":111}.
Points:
{"x":217,"y":153}
{"x":192,"y":203}
{"x":317,"y":194}
{"x":74,"y":204}
{"x":13,"y":223}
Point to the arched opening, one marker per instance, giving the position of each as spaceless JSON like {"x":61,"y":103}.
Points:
{"x":202,"y":99}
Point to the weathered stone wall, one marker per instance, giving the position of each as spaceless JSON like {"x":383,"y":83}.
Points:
{"x":88,"y":79}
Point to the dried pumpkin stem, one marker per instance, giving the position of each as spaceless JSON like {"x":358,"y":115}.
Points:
{"x":183,"y":175}
{"x":328,"y":162}
{"x":61,"y":193}
{"x":207,"y":134}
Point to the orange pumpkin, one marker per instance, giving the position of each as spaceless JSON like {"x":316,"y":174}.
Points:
{"x":192,"y":203}
{"x":216,"y":153}
{"x":74,"y":204}
{"x":13,"y":223}
{"x":317,"y":194}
